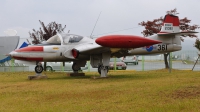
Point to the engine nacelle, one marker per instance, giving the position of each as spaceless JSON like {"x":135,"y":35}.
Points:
{"x":71,"y":53}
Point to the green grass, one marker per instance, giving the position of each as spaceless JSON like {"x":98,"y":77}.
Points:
{"x":157,"y":91}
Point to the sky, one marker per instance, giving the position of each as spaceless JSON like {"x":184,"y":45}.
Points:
{"x":80,"y":16}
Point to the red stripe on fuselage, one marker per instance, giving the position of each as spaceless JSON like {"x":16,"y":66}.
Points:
{"x":31,"y":49}
{"x":28,"y":58}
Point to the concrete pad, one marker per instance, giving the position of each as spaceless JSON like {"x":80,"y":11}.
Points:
{"x":94,"y":77}
{"x":75,"y":74}
{"x":31,"y":77}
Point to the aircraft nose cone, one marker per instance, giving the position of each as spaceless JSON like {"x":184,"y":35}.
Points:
{"x":11,"y":54}
{"x":8,"y":54}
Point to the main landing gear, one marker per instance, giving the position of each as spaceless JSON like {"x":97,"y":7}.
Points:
{"x":75,"y":67}
{"x":101,"y":61}
{"x":103,"y":68}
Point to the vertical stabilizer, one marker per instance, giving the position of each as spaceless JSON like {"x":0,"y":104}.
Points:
{"x":170,"y":24}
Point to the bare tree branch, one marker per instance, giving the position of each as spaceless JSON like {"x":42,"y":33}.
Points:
{"x":46,"y":32}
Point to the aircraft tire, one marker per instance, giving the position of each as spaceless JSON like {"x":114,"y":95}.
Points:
{"x":75,"y":68}
{"x":38,"y":69}
{"x":99,"y":69}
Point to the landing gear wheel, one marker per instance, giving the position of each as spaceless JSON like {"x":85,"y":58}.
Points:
{"x":100,"y":67}
{"x":75,"y":68}
{"x":38,"y":69}
{"x":48,"y":68}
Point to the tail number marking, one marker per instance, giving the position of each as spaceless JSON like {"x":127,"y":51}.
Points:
{"x":162,"y":47}
{"x":168,"y":26}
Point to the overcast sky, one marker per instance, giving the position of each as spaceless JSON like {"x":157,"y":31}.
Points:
{"x":80,"y":15}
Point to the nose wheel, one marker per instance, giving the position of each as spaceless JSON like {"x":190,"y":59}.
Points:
{"x":38,"y":69}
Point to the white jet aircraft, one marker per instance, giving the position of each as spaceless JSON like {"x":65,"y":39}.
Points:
{"x":79,"y":49}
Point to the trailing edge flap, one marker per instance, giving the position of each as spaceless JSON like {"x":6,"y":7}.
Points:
{"x":178,"y":33}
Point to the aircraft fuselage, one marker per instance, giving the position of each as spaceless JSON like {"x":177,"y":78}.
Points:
{"x":155,"y":49}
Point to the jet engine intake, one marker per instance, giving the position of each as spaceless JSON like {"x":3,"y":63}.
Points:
{"x":75,"y":53}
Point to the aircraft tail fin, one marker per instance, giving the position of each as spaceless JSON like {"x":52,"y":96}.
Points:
{"x":170,"y":24}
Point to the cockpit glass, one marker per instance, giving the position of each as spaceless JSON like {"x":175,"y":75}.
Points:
{"x":54,"y":40}
{"x":71,"y":38}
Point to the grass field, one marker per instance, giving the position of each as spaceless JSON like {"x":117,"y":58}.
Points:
{"x":157,"y":91}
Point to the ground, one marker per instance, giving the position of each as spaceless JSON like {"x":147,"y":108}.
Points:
{"x":127,"y":90}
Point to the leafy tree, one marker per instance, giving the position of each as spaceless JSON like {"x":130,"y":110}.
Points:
{"x":197,"y":44}
{"x":48,"y":31}
{"x":154,"y":26}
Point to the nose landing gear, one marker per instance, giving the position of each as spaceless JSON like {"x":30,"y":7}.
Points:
{"x":38,"y":69}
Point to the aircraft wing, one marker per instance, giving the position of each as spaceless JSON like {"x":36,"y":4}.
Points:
{"x":84,"y":49}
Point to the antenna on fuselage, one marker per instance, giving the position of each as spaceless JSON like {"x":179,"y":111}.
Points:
{"x":95,"y":25}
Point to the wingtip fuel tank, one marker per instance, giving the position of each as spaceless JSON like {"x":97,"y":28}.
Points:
{"x":125,"y":41}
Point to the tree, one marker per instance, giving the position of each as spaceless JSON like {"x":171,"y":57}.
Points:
{"x":48,"y":31}
{"x":154,"y":26}
{"x":197,"y":44}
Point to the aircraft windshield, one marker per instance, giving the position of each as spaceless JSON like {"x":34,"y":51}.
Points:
{"x":71,"y":38}
{"x":54,"y":40}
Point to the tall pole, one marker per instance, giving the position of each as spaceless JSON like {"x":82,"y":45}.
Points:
{"x":195,"y":63}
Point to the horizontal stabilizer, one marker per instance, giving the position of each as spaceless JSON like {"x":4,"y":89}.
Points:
{"x":179,"y":33}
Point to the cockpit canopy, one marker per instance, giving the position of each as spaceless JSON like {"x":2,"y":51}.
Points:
{"x":54,"y":40}
{"x":65,"y":38}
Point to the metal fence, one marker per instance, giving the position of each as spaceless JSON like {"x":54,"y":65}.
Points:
{"x":181,"y":60}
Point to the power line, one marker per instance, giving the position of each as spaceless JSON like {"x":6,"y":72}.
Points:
{"x":118,"y":30}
